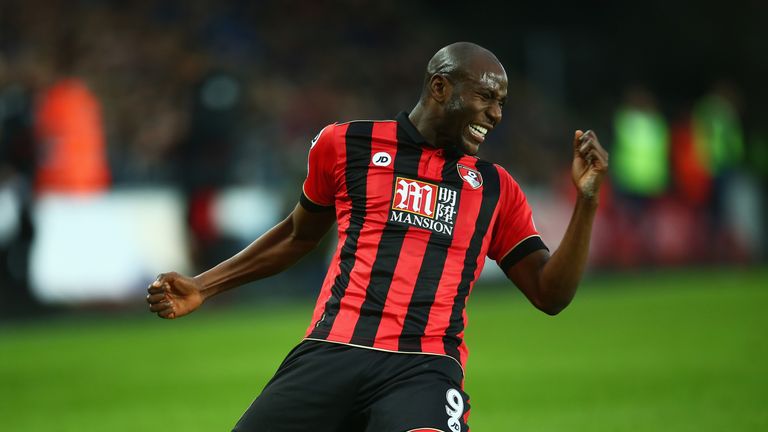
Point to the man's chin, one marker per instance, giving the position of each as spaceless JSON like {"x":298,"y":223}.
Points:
{"x":469,"y":148}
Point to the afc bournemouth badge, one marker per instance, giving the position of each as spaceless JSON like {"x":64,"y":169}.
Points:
{"x":470,"y":176}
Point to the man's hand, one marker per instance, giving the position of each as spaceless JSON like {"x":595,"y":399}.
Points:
{"x":590,"y":163}
{"x":172,"y":295}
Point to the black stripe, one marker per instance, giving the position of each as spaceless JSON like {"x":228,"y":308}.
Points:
{"x":312,"y":207}
{"x":491,"y":189}
{"x":431,"y":270}
{"x":410,"y":130}
{"x":358,"y":149}
{"x":387,"y":254}
{"x":531,"y":244}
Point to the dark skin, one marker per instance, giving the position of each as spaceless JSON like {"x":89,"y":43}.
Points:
{"x":462,"y":101}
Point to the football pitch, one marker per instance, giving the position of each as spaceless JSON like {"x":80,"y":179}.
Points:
{"x":666,"y":351}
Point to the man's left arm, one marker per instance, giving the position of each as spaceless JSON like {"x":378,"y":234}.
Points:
{"x":550,"y":281}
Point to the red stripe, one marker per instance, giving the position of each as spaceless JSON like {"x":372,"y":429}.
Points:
{"x":405,"y":275}
{"x":325,"y":291}
{"x":463,"y":351}
{"x":379,"y":197}
{"x":425,"y":155}
{"x":440,"y":314}
{"x":343,"y":206}
{"x":401,"y":290}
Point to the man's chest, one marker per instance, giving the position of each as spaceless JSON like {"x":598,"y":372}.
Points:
{"x":412,"y":188}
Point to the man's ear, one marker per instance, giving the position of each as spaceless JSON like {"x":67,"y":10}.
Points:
{"x":440,"y":88}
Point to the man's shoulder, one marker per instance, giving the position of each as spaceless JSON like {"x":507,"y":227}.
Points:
{"x":335,"y":134}
{"x":340,"y":129}
{"x":484,"y":165}
{"x":507,"y":181}
{"x":348,"y":122}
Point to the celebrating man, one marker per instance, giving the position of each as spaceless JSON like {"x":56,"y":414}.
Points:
{"x":417,"y":214}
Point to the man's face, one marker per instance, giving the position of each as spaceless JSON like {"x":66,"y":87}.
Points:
{"x":474,"y":108}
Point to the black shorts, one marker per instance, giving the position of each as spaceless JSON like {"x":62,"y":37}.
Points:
{"x":329,"y":387}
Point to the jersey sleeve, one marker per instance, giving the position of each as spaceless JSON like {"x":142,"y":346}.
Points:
{"x":514,"y":234}
{"x":319,"y":189}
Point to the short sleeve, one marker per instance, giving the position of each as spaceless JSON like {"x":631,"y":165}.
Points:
{"x":319,"y":189}
{"x":514,"y":234}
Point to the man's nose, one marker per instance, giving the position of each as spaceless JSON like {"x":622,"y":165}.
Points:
{"x":494,"y":113}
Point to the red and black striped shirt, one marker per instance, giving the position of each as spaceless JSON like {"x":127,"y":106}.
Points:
{"x":415,"y":224}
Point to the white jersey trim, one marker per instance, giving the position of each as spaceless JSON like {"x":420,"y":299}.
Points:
{"x":373,"y":121}
{"x":425,"y":429}
{"x":389,"y":351}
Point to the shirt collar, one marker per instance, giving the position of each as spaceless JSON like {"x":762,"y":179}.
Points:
{"x":410,"y":130}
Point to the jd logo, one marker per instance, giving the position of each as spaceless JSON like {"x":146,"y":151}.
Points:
{"x":381,"y":159}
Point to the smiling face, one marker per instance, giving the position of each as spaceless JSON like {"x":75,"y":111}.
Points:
{"x":474,"y":106}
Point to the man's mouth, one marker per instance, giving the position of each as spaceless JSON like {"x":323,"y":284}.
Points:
{"x":478,"y":132}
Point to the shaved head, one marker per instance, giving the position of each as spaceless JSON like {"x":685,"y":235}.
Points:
{"x":457,"y":61}
{"x":465,"y":88}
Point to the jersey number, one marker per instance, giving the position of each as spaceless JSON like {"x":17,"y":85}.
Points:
{"x":454,"y":409}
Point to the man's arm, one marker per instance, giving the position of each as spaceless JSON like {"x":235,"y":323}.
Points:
{"x":550,"y":282}
{"x":173,"y":295}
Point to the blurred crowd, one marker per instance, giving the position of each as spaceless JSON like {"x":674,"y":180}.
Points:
{"x":201,"y":95}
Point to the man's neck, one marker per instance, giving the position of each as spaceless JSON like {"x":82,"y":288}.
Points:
{"x":424,"y":123}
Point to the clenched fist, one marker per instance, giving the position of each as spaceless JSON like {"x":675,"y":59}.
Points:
{"x":172,"y":295}
{"x":590,"y":163}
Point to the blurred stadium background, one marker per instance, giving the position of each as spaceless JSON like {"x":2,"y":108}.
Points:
{"x":146,"y":136}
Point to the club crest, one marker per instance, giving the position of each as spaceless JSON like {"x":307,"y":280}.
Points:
{"x":470,"y":176}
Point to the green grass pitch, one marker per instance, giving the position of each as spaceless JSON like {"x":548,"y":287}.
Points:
{"x":670,"y":351}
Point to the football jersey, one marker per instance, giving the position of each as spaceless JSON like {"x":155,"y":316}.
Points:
{"x":415,"y":224}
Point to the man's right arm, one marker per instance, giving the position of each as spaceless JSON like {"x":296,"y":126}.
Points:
{"x":173,"y":295}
